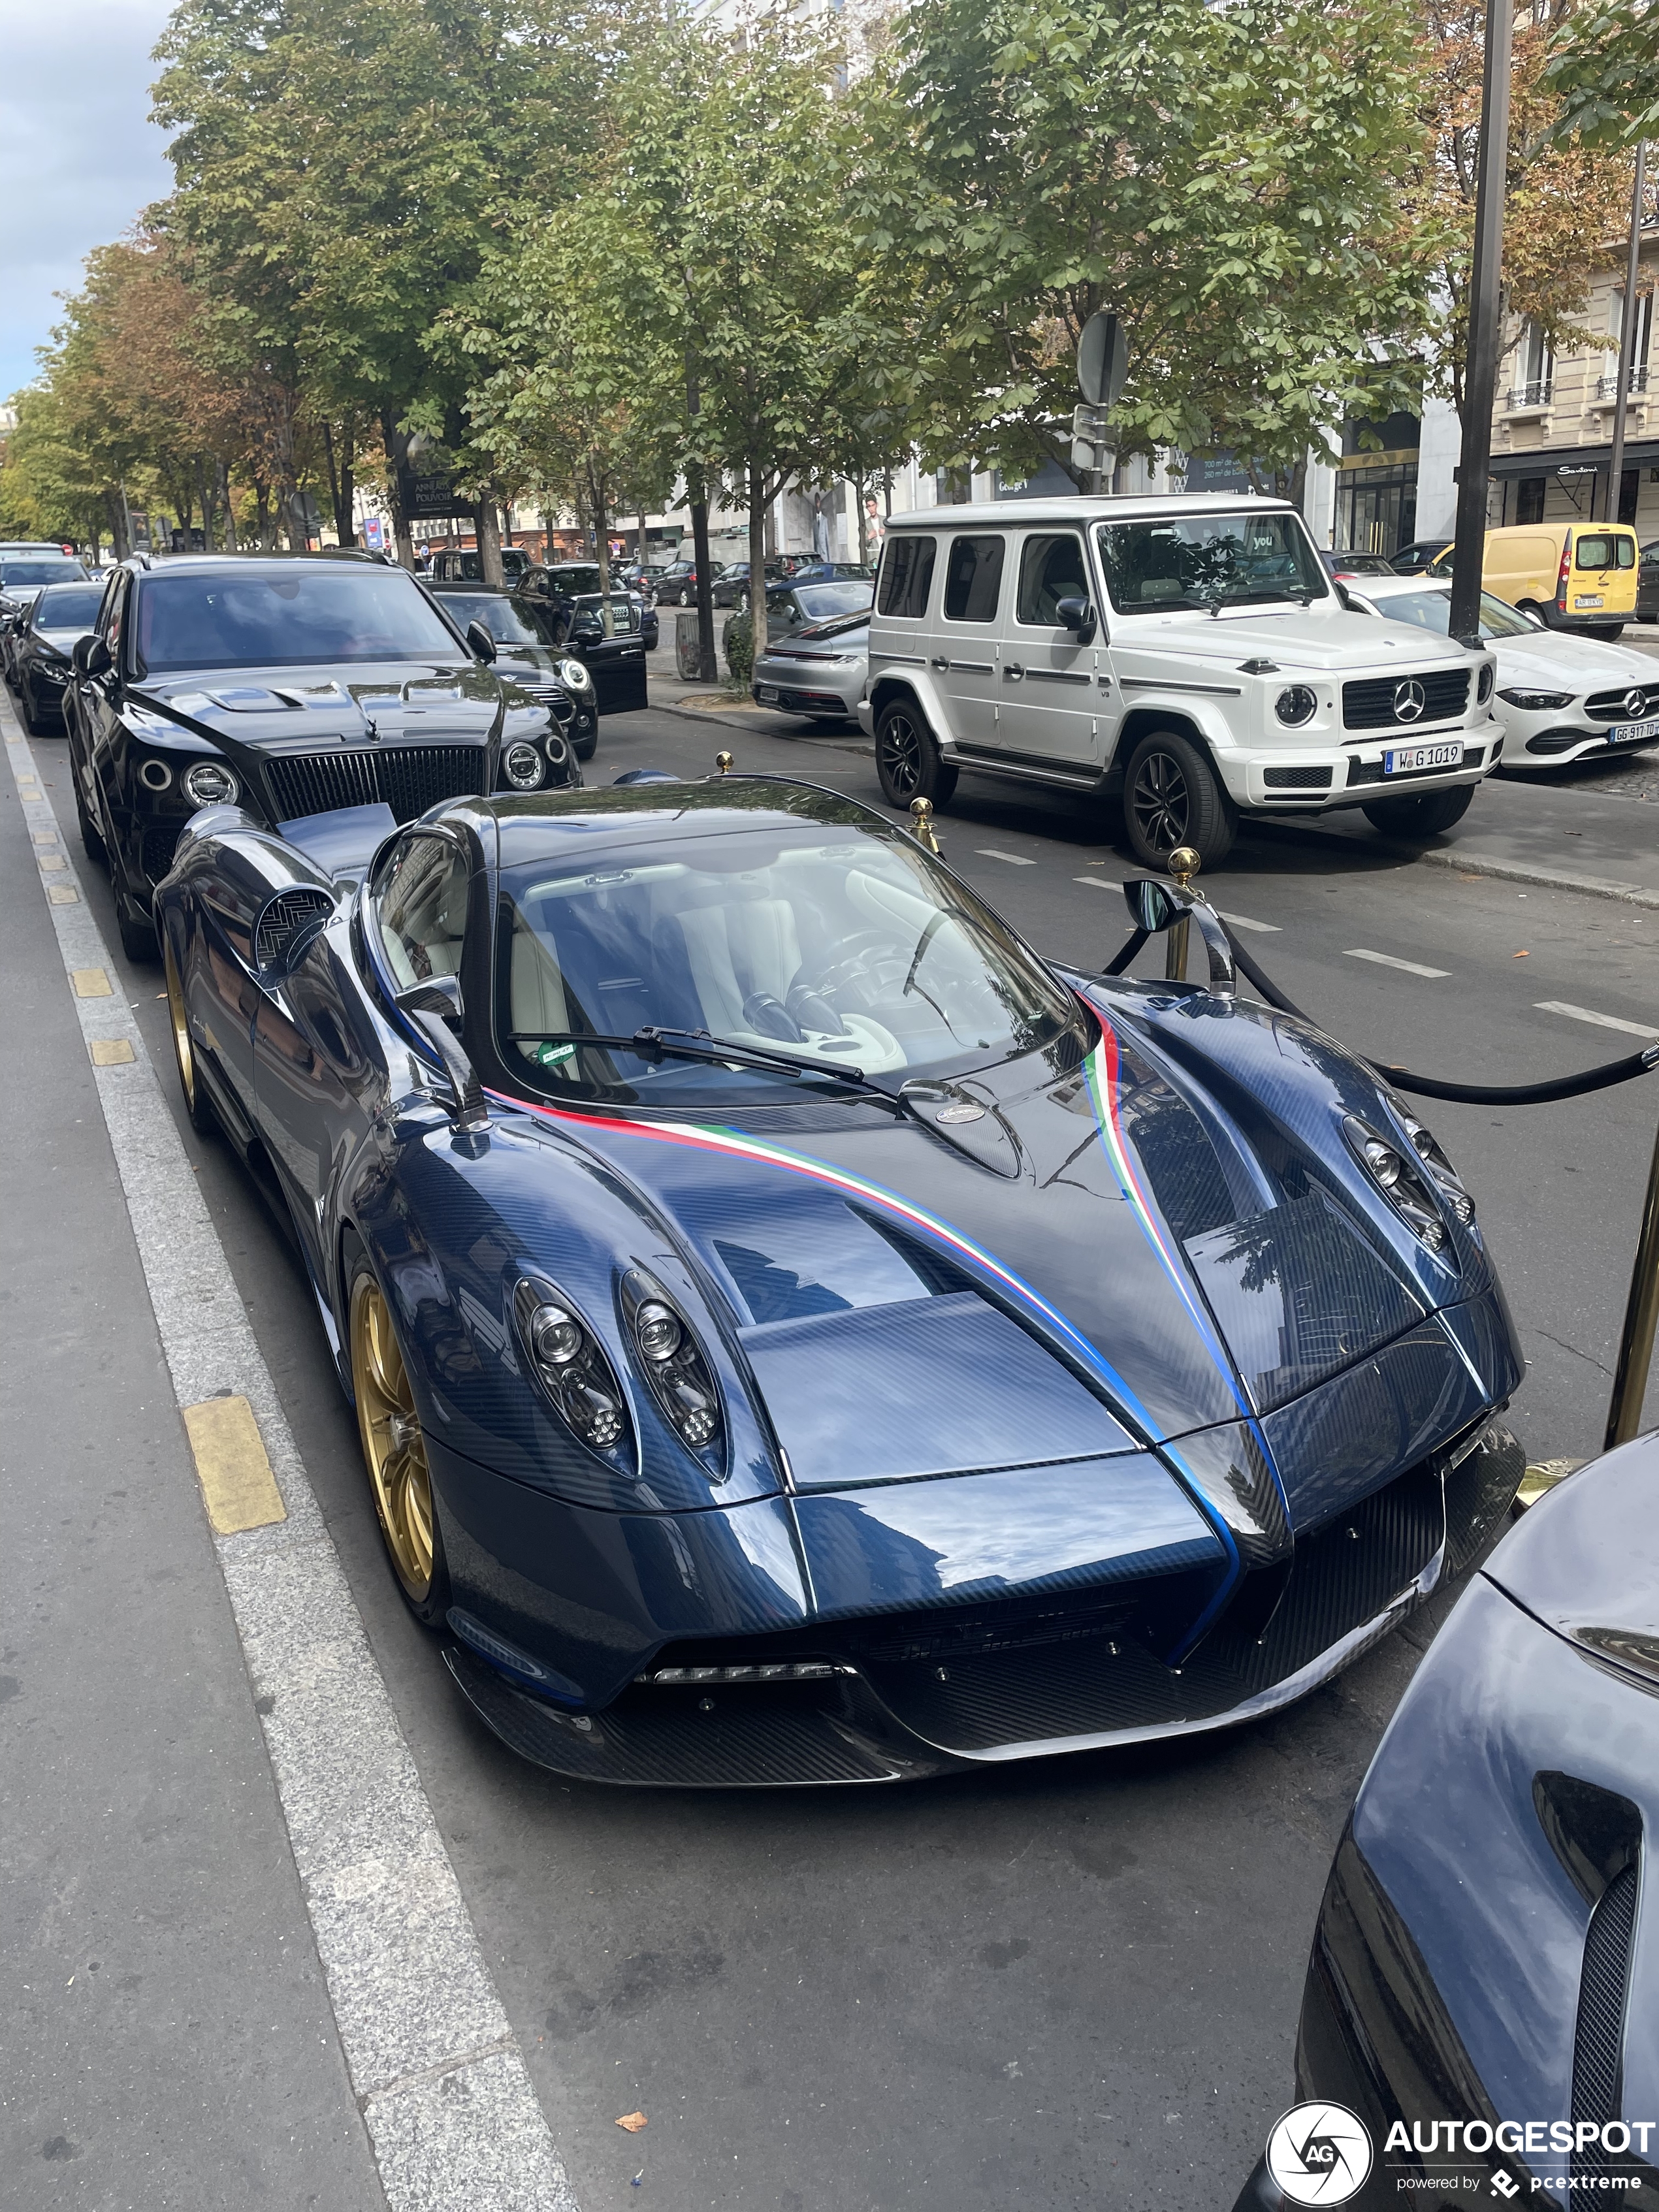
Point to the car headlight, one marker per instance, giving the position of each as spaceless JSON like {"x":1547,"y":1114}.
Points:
{"x":1296,"y":704}
{"x":1534,"y":702}
{"x":1446,"y":1179}
{"x":675,"y":1368}
{"x":575,"y":673}
{"x":558,"y":748}
{"x":1396,"y":1173}
{"x":568,"y":1362}
{"x":1484,"y":683}
{"x":209,"y":783}
{"x":521,"y":764}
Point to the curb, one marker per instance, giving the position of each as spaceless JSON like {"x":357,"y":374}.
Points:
{"x":1527,"y":872}
{"x":737,"y":722}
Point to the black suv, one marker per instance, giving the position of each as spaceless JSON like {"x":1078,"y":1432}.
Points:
{"x":293,"y":685}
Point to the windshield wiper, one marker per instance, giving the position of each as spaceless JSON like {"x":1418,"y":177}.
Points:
{"x":654,"y":1044}
{"x":1245,"y":598}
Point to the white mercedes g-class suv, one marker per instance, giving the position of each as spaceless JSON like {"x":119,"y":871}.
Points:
{"x":1190,"y":654}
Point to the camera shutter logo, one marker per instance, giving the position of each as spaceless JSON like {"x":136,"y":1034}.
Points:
{"x":1319,"y":2153}
{"x":1410,"y":700}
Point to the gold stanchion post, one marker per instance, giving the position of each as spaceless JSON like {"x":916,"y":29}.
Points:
{"x":1184,"y":865}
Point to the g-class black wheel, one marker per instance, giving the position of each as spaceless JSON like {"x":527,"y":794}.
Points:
{"x":907,"y":758}
{"x":1172,"y":796}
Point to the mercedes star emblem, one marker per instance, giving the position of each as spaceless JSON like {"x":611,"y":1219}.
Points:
{"x":1636,"y":704}
{"x":1410,"y":699}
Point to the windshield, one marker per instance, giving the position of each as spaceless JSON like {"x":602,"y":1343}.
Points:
{"x":218,"y":618}
{"x":40,"y":572}
{"x":1429,"y":610}
{"x":508,"y":620}
{"x":62,"y":607}
{"x":818,"y":602}
{"x":1209,"y":560}
{"x":803,"y":938}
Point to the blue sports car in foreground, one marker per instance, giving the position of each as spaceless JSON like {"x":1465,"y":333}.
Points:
{"x":798,"y":1335}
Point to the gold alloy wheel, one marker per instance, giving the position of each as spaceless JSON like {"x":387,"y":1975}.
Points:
{"x":393,"y":1445}
{"x":182,"y":1049}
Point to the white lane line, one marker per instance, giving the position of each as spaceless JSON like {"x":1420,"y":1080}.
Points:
{"x":1014,"y":859}
{"x":442,"y":2085}
{"x":1099,"y":882}
{"x":1387,"y":960}
{"x":1244,"y":921}
{"x":1601,"y":1021}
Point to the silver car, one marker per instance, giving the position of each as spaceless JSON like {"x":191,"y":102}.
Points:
{"x":818,"y":653}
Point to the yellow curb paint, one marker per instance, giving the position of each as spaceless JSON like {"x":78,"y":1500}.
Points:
{"x":91,"y":983}
{"x":52,"y":860}
{"x":110,"y":1052}
{"x":231,"y":1466}
{"x":46,"y":837}
{"x":63,"y":895}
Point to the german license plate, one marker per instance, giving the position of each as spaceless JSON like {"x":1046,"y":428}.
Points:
{"x":1587,"y":599}
{"x":1406,"y":760}
{"x":766,"y":693}
{"x":1631,"y":734}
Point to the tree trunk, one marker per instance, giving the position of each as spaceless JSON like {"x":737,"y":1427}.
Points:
{"x":204,"y":492}
{"x":487,"y":524}
{"x":864,"y":521}
{"x":639,"y":542}
{"x":697,"y":486}
{"x":229,"y":505}
{"x":263,"y":521}
{"x":601,"y":542}
{"x":342,"y":481}
{"x":119,"y":537}
{"x":757,"y":560}
{"x":399,"y":490}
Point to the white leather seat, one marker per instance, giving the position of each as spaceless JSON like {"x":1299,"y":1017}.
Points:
{"x":736,"y":950}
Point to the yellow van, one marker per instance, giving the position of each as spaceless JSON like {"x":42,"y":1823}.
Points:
{"x":1573,"y":576}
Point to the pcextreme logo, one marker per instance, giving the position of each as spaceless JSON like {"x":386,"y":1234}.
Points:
{"x":1319,"y":2153}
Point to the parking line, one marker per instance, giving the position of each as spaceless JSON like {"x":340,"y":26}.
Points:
{"x":1014,"y":859}
{"x":1099,"y":882}
{"x":231,"y":1467}
{"x":91,"y":983}
{"x":1601,"y":1021}
{"x":1243,"y":922}
{"x":1387,"y":960}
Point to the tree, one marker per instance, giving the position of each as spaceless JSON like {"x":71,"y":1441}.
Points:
{"x":1225,"y":180}
{"x":1603,"y":67}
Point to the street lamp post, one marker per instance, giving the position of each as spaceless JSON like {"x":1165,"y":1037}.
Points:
{"x":1486,"y":326}
{"x":1626,"y":337}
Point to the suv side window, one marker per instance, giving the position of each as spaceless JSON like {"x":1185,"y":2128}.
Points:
{"x":1050,"y":569}
{"x":973,"y":578}
{"x":907,"y":577}
{"x":112,"y":614}
{"x":420,"y":902}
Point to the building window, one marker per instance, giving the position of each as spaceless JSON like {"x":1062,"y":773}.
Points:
{"x":1535,"y":369}
{"x":1529,"y":499}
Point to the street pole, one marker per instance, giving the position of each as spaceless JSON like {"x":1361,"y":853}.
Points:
{"x":1626,"y":337}
{"x":1485,"y":326}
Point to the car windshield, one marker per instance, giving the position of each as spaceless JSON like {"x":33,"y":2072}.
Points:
{"x":62,"y":607}
{"x":1430,"y":610}
{"x":819,"y":602}
{"x":263,"y":618}
{"x":40,"y":572}
{"x":808,"y":939}
{"x":1209,"y":560}
{"x":841,"y":626}
{"x":509,"y":621}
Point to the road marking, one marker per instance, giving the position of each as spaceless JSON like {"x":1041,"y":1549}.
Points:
{"x":1243,"y":922}
{"x":51,"y":860}
{"x":91,"y":983}
{"x":63,"y":895}
{"x":111,"y":1052}
{"x":434,"y":2064}
{"x":1014,"y":859}
{"x":1387,"y":960}
{"x":231,"y":1465}
{"x":1099,"y":882}
{"x":1601,"y":1021}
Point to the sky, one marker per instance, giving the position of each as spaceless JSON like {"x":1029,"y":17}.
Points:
{"x":78,"y":157}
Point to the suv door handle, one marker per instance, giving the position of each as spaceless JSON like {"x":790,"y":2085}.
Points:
{"x":942,"y":664}
{"x":1013,"y":670}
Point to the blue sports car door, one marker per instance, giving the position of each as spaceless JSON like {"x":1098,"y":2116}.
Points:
{"x":315,"y":1082}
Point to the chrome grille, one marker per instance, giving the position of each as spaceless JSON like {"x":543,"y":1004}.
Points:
{"x":406,"y":778}
{"x":1369,"y":702}
{"x":1611,"y":704}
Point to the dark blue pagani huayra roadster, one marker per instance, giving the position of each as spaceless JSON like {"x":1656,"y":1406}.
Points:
{"x":798,"y":1335}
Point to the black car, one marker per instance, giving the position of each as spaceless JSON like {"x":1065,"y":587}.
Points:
{"x":22,"y":574}
{"x":1357,"y":564}
{"x":1479,"y":2011}
{"x":677,"y":586}
{"x":611,"y":632}
{"x":532,"y":651}
{"x":42,"y":642}
{"x":452,"y":567}
{"x":1647,"y":583}
{"x":580,"y":580}
{"x":731,"y":586}
{"x":1418,"y":558}
{"x":293,"y":686}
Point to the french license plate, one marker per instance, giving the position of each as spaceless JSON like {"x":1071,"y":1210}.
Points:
{"x":1408,"y":759}
{"x":766,"y":693}
{"x":1588,"y":600}
{"x":1631,"y":734}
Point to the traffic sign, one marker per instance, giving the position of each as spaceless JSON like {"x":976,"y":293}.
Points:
{"x":1103,"y":360}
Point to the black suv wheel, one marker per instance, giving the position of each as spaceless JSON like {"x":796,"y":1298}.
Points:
{"x":908,"y":757}
{"x":1172,"y":796}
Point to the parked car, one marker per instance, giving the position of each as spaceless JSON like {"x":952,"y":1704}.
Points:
{"x":1188,"y":656}
{"x":1357,"y":564}
{"x":1647,"y":583}
{"x":1559,"y":697}
{"x":731,"y":587}
{"x":44,"y":638}
{"x":293,"y":687}
{"x":533,"y":652}
{"x":1573,"y":576}
{"x":450,"y":567}
{"x":23,"y":572}
{"x":1420,"y":555}
{"x":1481,"y":1997}
{"x":800,"y":1336}
{"x":608,"y":634}
{"x":807,"y":568}
{"x":677,"y":584}
{"x":580,"y":580}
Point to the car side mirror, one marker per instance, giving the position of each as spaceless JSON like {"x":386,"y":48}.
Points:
{"x":1077,"y":615}
{"x":90,"y":656}
{"x":1150,"y":906}
{"x":481,"y":644}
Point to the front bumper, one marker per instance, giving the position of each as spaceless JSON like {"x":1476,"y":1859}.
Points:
{"x":1553,"y":739}
{"x":809,"y":686}
{"x":1357,"y":774}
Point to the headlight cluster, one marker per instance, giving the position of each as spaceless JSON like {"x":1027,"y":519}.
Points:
{"x":1416,"y":1182}
{"x":1484,"y":684}
{"x":1536,"y":702}
{"x":521,"y":764}
{"x":574,"y":673}
{"x":674,"y":1366}
{"x":1296,"y":704}
{"x":569,"y":1363}
{"x":209,"y":783}
{"x":573,"y":1370}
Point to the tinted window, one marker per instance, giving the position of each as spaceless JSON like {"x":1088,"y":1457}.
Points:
{"x":62,"y":607}
{"x":508,"y":621}
{"x":420,"y":901}
{"x":218,"y":618}
{"x":1209,"y":559}
{"x":819,"y":602}
{"x":1603,"y":549}
{"x":973,"y":578}
{"x":40,"y":572}
{"x":1050,"y":569}
{"x":907,"y":576}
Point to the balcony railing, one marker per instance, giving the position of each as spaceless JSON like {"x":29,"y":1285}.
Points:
{"x":1607,"y":387}
{"x":1532,"y":395}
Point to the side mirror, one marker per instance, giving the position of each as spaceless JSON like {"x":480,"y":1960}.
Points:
{"x":1076,"y":614}
{"x":1150,"y":905}
{"x":480,"y":642}
{"x":90,"y":656}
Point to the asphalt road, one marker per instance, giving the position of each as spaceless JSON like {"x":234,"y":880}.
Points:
{"x":1073,"y":1985}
